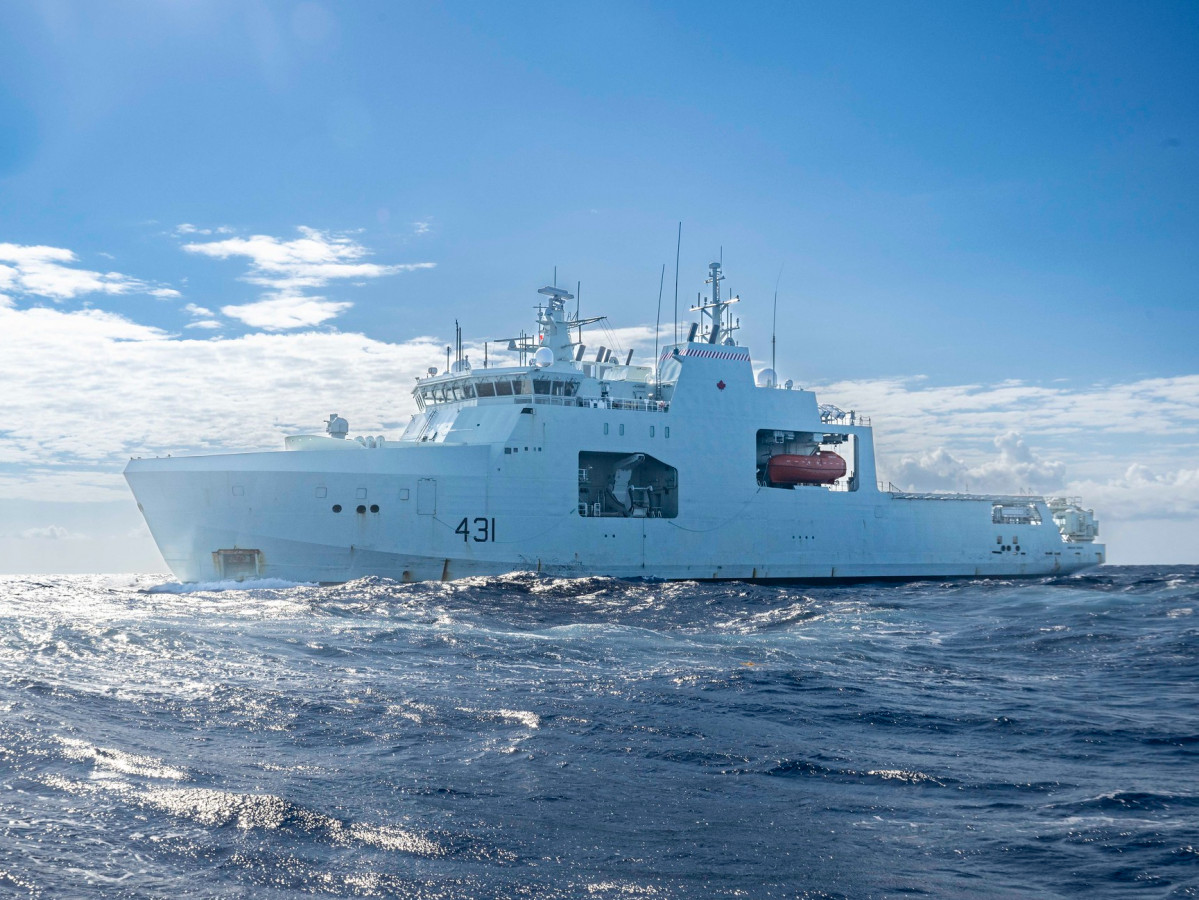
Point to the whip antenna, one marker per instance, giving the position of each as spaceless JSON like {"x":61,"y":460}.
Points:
{"x":677,"y":247}
{"x":774,"y":318}
{"x":657,"y":322}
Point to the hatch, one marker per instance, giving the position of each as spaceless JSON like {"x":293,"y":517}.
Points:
{"x":237,"y":564}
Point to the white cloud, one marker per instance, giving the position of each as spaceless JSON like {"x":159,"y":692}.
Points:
{"x":204,"y":317}
{"x":187,"y":228}
{"x":283,"y":313}
{"x":87,"y":389}
{"x":52,"y":533}
{"x":1141,"y":493}
{"x":1017,"y":469}
{"x":421,"y":227}
{"x":1162,"y":406}
{"x":287,"y":268}
{"x":40,"y":271}
{"x":312,"y":260}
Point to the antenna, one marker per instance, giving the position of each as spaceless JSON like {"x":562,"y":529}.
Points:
{"x":578,"y":300}
{"x":774,"y":318}
{"x":677,"y":247}
{"x":657,"y":322}
{"x":555,"y":276}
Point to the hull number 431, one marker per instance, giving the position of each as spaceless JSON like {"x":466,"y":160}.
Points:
{"x":480,"y":529}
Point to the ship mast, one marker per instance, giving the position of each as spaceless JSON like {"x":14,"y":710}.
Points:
{"x":555,"y":328}
{"x":719,"y":324}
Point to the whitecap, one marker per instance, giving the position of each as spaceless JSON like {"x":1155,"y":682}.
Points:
{"x":194,"y":587}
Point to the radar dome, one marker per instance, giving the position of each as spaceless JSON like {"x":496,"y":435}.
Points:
{"x":543,"y":357}
{"x":766,"y":378}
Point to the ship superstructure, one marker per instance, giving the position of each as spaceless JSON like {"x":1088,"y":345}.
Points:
{"x":687,"y":468}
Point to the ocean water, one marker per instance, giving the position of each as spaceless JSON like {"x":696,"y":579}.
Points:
{"x":537,"y":737}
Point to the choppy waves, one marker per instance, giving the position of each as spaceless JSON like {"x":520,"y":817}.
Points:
{"x":542,"y":737}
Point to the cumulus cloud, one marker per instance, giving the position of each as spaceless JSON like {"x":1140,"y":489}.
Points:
{"x":1017,"y":468}
{"x":41,"y":271}
{"x":1142,"y":493}
{"x":131,"y":389}
{"x":286,"y":269}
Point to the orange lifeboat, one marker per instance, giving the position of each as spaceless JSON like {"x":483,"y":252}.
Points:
{"x":823,"y":467}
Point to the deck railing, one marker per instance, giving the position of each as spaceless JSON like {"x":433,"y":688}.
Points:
{"x":597,"y":402}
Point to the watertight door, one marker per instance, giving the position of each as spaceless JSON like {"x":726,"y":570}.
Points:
{"x":426,"y":496}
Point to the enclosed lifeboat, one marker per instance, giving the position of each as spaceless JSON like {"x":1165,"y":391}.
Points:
{"x":822,"y":467}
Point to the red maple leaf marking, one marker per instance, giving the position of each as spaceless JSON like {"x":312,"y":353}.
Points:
{"x":720,"y":385}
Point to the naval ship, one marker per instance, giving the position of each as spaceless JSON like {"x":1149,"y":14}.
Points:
{"x":573,"y":463}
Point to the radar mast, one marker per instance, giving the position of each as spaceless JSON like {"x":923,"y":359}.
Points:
{"x":719,"y":323}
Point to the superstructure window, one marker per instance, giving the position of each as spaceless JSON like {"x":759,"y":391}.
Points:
{"x":553,"y":387}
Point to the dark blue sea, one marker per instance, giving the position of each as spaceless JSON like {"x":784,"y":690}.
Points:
{"x":536,"y":737}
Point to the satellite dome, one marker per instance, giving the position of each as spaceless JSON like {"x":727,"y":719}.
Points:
{"x":543,"y":357}
{"x":766,"y":378}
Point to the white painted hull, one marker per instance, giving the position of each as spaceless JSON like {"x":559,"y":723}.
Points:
{"x":753,"y":533}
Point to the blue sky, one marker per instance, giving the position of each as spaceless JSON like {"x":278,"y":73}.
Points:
{"x":959,"y":197}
